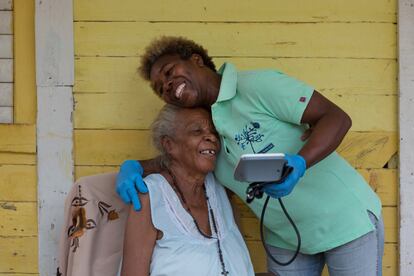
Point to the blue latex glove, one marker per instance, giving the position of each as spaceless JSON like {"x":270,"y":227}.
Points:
{"x":129,"y":182}
{"x":283,"y":189}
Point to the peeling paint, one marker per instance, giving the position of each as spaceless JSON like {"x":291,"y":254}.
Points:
{"x":8,"y":206}
{"x":285,"y":43}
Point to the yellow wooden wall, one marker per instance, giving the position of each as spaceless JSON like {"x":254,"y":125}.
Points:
{"x":18,"y":207}
{"x":346,"y":49}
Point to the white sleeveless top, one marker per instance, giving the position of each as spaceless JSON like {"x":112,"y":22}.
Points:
{"x":183,"y":250}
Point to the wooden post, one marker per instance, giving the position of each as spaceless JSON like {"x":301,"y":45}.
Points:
{"x":406,"y":120}
{"x":54,"y":78}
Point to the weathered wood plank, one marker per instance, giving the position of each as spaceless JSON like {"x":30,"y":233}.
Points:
{"x":358,"y":40}
{"x":18,"y":274}
{"x":18,"y":138}
{"x":6,"y":69}
{"x":337,"y":76}
{"x":6,"y":5}
{"x":250,"y":226}
{"x":18,"y":219}
{"x":390,"y":260}
{"x":119,"y":111}
{"x":6,"y":22}
{"x":257,"y":255}
{"x":138,"y":110}
{"x":111,"y":147}
{"x":216,"y":10}
{"x":389,"y":265}
{"x":331,"y":76}
{"x":6,"y":46}
{"x":18,"y":183}
{"x":384,"y":182}
{"x":391,"y":226}
{"x":368,"y":149}
{"x":24,"y":48}
{"x":6,"y":115}
{"x":18,"y":255}
{"x":369,"y":113}
{"x":6,"y":94}
{"x":17,"y":158}
{"x":361,"y":149}
{"x":81,"y":171}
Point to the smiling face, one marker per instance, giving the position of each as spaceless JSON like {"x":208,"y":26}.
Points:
{"x":183,"y":82}
{"x":195,"y":144}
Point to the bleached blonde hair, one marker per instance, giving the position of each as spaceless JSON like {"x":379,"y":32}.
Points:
{"x":171,"y":45}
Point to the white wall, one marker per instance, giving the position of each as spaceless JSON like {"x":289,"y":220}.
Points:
{"x":406,"y":120}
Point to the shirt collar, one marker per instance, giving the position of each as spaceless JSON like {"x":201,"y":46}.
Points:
{"x":228,"y":83}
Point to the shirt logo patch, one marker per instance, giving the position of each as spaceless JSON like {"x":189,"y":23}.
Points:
{"x":267,"y":148}
{"x":302,"y":99}
{"x":249,"y":136}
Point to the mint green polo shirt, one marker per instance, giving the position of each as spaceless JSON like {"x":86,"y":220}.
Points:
{"x":260,"y":111}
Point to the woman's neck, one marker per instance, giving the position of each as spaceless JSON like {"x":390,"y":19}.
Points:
{"x":191,"y":184}
{"x":213,"y":88}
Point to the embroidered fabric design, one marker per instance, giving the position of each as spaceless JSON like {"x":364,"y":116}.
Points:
{"x":80,"y":222}
{"x":249,"y":135}
{"x":104,"y":208}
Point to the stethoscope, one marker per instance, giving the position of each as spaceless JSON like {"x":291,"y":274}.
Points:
{"x":255,"y":190}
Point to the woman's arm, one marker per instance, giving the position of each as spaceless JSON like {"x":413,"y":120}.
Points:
{"x":151,"y":166}
{"x":140,"y":237}
{"x":329,"y":126}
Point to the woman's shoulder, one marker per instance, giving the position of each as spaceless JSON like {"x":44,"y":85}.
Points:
{"x":158,"y":188}
{"x":155,"y":179}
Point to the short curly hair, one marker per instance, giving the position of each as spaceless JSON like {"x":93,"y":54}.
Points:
{"x":171,"y":45}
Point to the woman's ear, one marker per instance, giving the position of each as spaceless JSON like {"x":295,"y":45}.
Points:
{"x":167,"y":144}
{"x":197,"y":59}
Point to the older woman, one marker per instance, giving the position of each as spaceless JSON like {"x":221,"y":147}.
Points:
{"x":186,"y":225}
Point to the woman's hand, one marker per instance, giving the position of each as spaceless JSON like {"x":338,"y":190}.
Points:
{"x":283,"y":189}
{"x":129,"y":182}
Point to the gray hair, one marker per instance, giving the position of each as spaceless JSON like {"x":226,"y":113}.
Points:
{"x":164,"y":125}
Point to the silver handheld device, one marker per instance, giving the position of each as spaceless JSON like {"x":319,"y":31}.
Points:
{"x":262,"y":167}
